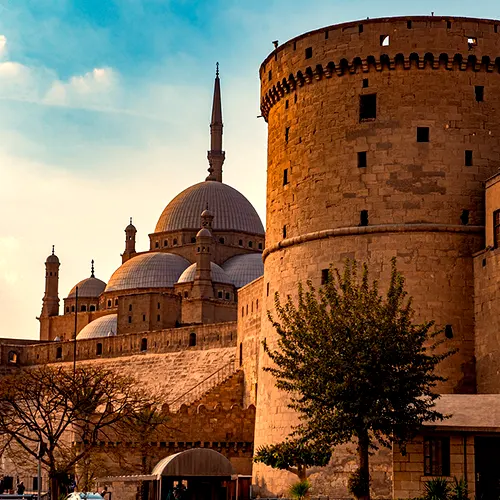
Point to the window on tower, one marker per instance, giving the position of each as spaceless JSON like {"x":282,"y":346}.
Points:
{"x":367,"y":107}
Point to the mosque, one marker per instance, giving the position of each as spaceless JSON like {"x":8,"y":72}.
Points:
{"x":383,"y":141}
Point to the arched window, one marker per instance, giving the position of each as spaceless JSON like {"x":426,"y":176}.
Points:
{"x":193,"y":239}
{"x":144,"y":345}
{"x":92,"y":308}
{"x":222,"y":241}
{"x":83,"y":308}
{"x":98,"y":349}
{"x":260,"y":246}
{"x":13,"y":357}
{"x":241,"y":353}
{"x":175,"y":241}
{"x":192,"y":339}
{"x":116,"y":302}
{"x":240,"y":243}
{"x":67,"y":309}
{"x":186,"y":295}
{"x":109,"y":303}
{"x":250,"y":244}
{"x":130,"y":307}
{"x":165,"y":243}
{"x":59,"y":353}
{"x":72,"y":309}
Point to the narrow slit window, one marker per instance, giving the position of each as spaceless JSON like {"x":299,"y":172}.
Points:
{"x":422,"y":134}
{"x":267,"y":287}
{"x":285,"y":177}
{"x":284,"y":231}
{"x":479,"y":93}
{"x":309,"y":52}
{"x":367,"y":107}
{"x":385,"y":40}
{"x":286,"y":104}
{"x":130,"y":319}
{"x":448,"y":331}
{"x":325,"y":276}
{"x":98,"y":349}
{"x":464,"y":218}
{"x":448,"y":25}
{"x":408,"y":25}
{"x":361,"y":159}
{"x":287,"y":133}
{"x":270,"y":75}
{"x":468,"y":158}
{"x":360,"y":28}
{"x":326,"y":34}
{"x":365,"y":83}
{"x":363,"y":218}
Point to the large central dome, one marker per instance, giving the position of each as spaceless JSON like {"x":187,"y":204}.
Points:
{"x":233,"y":212}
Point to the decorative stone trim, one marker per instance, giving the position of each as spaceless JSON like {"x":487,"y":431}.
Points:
{"x":382,"y":62}
{"x":360,"y":230}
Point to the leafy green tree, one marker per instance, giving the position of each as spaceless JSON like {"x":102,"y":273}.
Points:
{"x":294,"y":456}
{"x":356,"y":364}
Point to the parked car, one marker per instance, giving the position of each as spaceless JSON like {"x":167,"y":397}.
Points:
{"x":80,"y":495}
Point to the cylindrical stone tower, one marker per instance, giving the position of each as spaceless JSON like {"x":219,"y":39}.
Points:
{"x":381,"y":134}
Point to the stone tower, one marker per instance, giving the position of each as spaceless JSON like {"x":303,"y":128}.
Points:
{"x":203,"y":286}
{"x":216,"y":156}
{"x":50,"y":305}
{"x":380,"y":136}
{"x":130,"y":232}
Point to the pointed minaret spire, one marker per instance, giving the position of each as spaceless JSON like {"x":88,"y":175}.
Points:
{"x":216,"y":156}
{"x":92,"y":269}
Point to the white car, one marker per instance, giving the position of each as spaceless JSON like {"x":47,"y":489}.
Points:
{"x":80,"y":495}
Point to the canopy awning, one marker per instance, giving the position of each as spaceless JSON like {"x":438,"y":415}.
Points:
{"x":196,"y":462}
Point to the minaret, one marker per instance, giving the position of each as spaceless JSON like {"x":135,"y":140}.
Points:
{"x":51,"y":297}
{"x":216,"y":156}
{"x":130,"y":232}
{"x":202,"y":286}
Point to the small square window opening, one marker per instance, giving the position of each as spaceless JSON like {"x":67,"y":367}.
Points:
{"x":309,"y":52}
{"x":367,"y":107}
{"x":365,"y":83}
{"x":422,"y":134}
{"x":361,"y":159}
{"x":384,"y":40}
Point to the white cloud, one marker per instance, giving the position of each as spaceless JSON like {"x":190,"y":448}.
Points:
{"x":93,"y":88}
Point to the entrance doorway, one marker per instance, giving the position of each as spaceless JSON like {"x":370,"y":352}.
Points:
{"x":487,"y":459}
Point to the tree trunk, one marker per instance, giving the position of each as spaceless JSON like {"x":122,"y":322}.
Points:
{"x":54,"y":486}
{"x":302,"y":472}
{"x":364,"y":468}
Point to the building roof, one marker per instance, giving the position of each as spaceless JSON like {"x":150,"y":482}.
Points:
{"x":218,"y":274}
{"x":148,"y":270}
{"x":242,"y":269}
{"x":232,"y":211}
{"x":88,"y":288}
{"x":105,"y":326}
{"x":469,"y":412}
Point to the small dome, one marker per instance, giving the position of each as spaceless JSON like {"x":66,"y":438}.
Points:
{"x":242,"y":269}
{"x":231,"y":210}
{"x":204,"y":233}
{"x":52,"y":259}
{"x":207,"y":213}
{"x":148,"y":270}
{"x":218,"y":274}
{"x":89,"y":288}
{"x":100,"y":327}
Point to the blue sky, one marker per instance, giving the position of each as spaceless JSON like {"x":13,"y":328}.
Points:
{"x":104,"y":110}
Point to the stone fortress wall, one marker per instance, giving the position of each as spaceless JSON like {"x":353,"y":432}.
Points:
{"x":381,"y":134}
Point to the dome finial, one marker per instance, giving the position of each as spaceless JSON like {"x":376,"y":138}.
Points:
{"x":53,"y":249}
{"x":130,"y":220}
{"x":92,"y":268}
{"x":216,"y":156}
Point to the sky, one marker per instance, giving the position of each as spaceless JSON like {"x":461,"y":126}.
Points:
{"x":104,"y":115}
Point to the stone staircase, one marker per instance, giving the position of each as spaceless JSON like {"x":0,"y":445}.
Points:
{"x":224,"y":387}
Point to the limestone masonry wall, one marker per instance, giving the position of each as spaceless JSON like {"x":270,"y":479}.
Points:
{"x":248,"y":342}
{"x":163,"y":341}
{"x":398,"y":173}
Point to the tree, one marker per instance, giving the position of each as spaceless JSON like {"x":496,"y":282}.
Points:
{"x":356,"y":364}
{"x":294,"y":456}
{"x":56,"y":407}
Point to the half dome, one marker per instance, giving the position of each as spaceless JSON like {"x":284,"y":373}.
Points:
{"x":218,"y":274}
{"x":149,"y":270}
{"x":242,"y":269}
{"x":232,"y":211}
{"x":88,"y":288}
{"x":105,"y":326}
